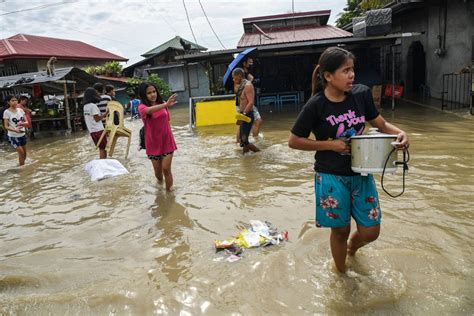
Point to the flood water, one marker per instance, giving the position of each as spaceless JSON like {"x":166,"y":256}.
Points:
{"x":124,"y":246}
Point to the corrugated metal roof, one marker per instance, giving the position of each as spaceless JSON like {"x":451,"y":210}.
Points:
{"x":173,"y":43}
{"x":32,"y":46}
{"x":39,"y":77}
{"x":290,"y":36}
{"x":385,"y":39}
{"x":286,"y":16}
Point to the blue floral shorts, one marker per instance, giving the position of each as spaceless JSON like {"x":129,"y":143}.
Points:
{"x":340,"y":197}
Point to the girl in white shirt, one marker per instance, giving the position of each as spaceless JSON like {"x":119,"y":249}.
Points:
{"x":93,"y":119}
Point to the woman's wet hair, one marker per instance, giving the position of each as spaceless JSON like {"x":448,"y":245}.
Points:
{"x":330,"y":60}
{"x":142,"y":93}
{"x":90,"y":96}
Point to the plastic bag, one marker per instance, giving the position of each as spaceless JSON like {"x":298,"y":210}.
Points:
{"x":99,"y":169}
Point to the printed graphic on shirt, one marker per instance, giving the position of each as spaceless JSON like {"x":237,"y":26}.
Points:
{"x":351,"y":120}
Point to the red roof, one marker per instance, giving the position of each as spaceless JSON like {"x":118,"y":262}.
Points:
{"x":289,"y":36}
{"x":32,"y":46}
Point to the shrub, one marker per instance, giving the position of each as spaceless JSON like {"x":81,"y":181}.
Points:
{"x":163,"y":88}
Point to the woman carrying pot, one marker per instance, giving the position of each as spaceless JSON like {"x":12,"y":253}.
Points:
{"x":337,"y":110}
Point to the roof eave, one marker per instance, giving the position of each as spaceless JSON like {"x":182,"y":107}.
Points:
{"x":59,"y":57}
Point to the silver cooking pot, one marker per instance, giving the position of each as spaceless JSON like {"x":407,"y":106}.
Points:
{"x":370,"y":152}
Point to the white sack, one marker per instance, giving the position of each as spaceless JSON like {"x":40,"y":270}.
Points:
{"x":104,"y":168}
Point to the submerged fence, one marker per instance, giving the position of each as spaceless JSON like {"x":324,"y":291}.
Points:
{"x":457,"y":91}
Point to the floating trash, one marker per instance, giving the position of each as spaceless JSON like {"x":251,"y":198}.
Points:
{"x":258,"y":234}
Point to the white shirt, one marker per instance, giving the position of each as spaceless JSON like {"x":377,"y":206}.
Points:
{"x":91,"y":109}
{"x":13,"y":119}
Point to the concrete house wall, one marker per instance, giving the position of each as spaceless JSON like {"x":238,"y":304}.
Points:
{"x":430,"y":20}
{"x":176,"y":78}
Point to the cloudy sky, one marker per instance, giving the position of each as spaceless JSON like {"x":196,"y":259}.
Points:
{"x":129,"y":28}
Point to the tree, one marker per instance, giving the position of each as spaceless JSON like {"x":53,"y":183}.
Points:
{"x":357,"y":8}
{"x":352,"y":10}
{"x":373,"y":4}
{"x":163,"y":87}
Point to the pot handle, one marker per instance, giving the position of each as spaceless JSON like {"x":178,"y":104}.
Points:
{"x":395,"y":143}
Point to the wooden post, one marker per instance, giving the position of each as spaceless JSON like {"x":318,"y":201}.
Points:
{"x":187,"y":79}
{"x":75,"y":97}
{"x":66,"y":102}
{"x":393,"y":78}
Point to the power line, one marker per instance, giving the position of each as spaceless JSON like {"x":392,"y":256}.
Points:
{"x":38,"y":7}
{"x":164,"y":18}
{"x":209,"y":22}
{"x":189,"y":22}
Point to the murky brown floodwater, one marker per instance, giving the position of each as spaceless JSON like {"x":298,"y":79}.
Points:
{"x":125,"y":246}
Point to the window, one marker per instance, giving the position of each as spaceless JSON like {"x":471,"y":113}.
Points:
{"x":176,"y":79}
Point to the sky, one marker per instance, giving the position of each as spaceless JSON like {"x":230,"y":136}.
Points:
{"x":130,"y":28}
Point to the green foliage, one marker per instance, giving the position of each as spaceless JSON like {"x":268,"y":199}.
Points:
{"x":352,"y":10}
{"x":357,"y":8}
{"x":111,"y":68}
{"x":163,"y":88}
{"x":95,"y":70}
{"x":373,"y":4}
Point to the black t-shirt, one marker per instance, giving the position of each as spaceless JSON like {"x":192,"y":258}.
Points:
{"x":330,"y":120}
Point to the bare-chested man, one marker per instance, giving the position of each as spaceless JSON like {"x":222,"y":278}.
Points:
{"x":245,"y":100}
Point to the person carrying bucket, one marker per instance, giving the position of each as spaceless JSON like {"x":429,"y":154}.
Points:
{"x":337,"y":110}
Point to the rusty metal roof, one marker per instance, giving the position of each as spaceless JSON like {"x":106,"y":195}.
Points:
{"x":34,"y":47}
{"x":291,"y":36}
{"x":286,"y":16}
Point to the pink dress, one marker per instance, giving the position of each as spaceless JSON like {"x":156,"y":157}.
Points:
{"x":159,"y":138}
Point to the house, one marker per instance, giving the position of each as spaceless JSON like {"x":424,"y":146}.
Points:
{"x":187,"y":79}
{"x":288,"y":48}
{"x":23,"y":53}
{"x":436,"y":62}
{"x":288,"y":28}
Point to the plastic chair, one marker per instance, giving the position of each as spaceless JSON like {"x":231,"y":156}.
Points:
{"x":263,"y":100}
{"x":291,"y":98}
{"x":114,"y":130}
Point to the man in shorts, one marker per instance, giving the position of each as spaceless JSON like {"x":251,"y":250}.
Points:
{"x":245,"y":100}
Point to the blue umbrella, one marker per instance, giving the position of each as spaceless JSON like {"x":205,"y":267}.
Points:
{"x":234,"y":64}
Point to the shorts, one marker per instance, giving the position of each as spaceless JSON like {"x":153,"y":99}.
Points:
{"x":96,"y":136}
{"x":256,"y":114}
{"x":340,"y":197}
{"x":245,"y":129}
{"x":159,"y":157}
{"x":17,"y":141}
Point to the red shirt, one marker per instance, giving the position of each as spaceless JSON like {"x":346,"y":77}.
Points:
{"x":159,"y":138}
